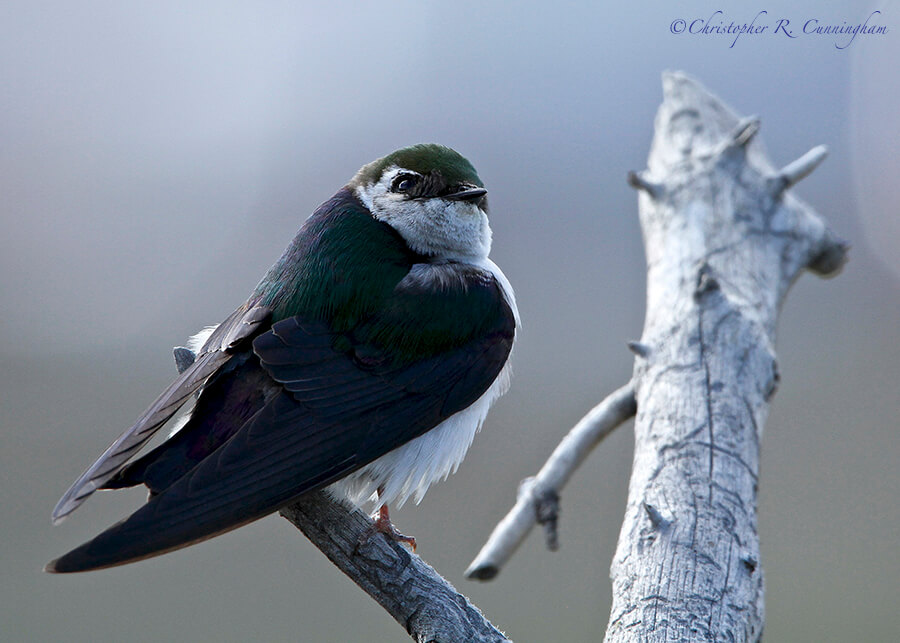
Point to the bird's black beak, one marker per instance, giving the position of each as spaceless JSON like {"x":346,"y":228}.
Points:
{"x":471,"y":194}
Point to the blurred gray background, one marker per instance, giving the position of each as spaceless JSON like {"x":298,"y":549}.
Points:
{"x":155,"y":159}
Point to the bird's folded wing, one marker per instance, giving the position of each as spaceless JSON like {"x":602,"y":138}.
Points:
{"x":240,"y":326}
{"x":343,"y":405}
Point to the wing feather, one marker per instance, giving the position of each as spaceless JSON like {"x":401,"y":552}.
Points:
{"x":239,"y":326}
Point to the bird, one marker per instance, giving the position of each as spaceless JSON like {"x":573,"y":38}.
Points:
{"x":363,"y":363}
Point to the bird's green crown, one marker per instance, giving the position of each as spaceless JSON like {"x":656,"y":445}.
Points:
{"x":423,"y":158}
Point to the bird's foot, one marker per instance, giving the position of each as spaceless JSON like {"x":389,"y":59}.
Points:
{"x":384,"y":525}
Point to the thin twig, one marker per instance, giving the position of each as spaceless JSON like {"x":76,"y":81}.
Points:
{"x":538,"y":496}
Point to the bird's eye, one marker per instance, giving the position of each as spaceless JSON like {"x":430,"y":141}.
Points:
{"x":404,"y":182}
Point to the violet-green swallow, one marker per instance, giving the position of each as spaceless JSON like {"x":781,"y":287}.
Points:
{"x":364,"y":362}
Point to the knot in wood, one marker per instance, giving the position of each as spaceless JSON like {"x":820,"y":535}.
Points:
{"x":706,"y":282}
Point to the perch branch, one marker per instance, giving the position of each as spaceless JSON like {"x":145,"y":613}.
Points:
{"x":407,"y":587}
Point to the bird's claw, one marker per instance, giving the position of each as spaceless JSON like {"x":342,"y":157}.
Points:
{"x":382,"y":524}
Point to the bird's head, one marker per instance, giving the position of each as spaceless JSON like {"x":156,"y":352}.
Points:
{"x":432,"y":197}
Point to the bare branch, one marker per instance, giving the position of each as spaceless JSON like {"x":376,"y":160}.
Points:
{"x":799,"y":169}
{"x":538,"y":497}
{"x":743,"y":133}
{"x":424,"y":603}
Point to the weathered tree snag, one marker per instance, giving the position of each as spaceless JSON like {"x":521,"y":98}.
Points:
{"x":724,"y":241}
{"x":409,"y":589}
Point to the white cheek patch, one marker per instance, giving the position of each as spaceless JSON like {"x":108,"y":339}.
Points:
{"x":435,"y":227}
{"x":446,"y":229}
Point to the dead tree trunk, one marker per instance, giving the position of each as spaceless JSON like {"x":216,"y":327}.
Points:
{"x":724,"y":241}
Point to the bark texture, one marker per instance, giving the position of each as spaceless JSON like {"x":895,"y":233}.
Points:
{"x":426,"y":605}
{"x":724,"y":241}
